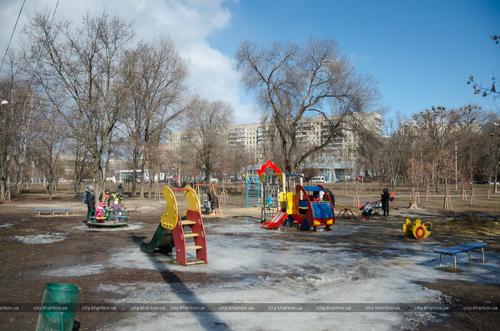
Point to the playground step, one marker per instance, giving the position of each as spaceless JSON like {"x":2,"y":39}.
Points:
{"x":197,"y":261}
{"x":194,"y":247}
{"x":187,"y":222}
{"x":191,"y":235}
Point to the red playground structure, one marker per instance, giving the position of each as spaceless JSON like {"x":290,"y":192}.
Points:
{"x":308,"y":208}
{"x":314,"y":210}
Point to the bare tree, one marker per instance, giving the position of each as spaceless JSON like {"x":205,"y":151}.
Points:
{"x":491,"y":135}
{"x":78,"y":69}
{"x":50,"y":143}
{"x":437,"y":127}
{"x":395,"y":151}
{"x":295,"y":82}
{"x":16,"y":120}
{"x":153,"y":78}
{"x":207,"y":133}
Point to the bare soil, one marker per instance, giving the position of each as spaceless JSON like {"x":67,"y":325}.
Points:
{"x":22,"y":278}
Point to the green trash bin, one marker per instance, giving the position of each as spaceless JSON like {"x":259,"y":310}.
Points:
{"x":58,"y":307}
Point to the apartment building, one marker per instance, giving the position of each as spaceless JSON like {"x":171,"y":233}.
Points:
{"x":335,"y":162}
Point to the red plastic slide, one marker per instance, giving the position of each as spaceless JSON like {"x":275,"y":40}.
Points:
{"x":276,"y":222}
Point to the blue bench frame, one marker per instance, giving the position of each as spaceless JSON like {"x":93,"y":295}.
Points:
{"x":462,"y":248}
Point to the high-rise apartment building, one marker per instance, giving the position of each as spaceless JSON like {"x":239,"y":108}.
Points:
{"x":335,"y":161}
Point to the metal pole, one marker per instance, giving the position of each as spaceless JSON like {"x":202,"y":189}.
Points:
{"x":456,"y":167}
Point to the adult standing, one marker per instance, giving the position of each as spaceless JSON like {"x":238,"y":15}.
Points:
{"x":119,"y":190}
{"x":385,"y":198}
{"x":89,"y":200}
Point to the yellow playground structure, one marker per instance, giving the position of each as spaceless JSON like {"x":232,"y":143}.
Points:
{"x":173,"y":231}
{"x":417,"y":230}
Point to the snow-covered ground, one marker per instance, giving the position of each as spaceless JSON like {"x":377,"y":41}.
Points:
{"x":46,"y":238}
{"x":130,"y":226}
{"x":250,"y":265}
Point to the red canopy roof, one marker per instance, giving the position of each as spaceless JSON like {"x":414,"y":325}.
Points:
{"x":269,"y":164}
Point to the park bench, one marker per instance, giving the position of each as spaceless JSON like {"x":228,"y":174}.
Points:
{"x":462,"y":248}
{"x":51,"y":210}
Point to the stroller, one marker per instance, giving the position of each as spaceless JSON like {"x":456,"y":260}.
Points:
{"x":206,"y":206}
{"x":369,"y":208}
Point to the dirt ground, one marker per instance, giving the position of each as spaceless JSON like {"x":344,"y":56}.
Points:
{"x":26,"y":268}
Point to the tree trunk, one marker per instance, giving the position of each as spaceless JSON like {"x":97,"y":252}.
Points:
{"x":150,"y":187}
{"x":49,"y":188}
{"x":2,"y":189}
{"x":76,"y":187}
{"x":100,"y":181}
{"x":135,"y":165}
{"x":143,"y":176}
{"x":495,"y":178}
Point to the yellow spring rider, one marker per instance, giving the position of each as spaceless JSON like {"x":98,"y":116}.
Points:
{"x":417,"y":230}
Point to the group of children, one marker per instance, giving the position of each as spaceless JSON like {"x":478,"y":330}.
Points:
{"x":106,"y":199}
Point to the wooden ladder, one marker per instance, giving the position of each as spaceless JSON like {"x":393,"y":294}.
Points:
{"x":191,"y":227}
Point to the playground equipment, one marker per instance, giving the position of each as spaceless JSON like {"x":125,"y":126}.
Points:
{"x":345,"y":212}
{"x":306,"y":211}
{"x":252,"y":191}
{"x":417,"y":230}
{"x":272,"y":181}
{"x":171,"y":231}
{"x":110,"y":213}
{"x":314,"y":210}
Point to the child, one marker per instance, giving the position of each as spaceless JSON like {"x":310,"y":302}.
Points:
{"x":99,"y":214}
{"x":106,"y":197}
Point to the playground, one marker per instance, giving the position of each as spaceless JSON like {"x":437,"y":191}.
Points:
{"x":271,"y":272}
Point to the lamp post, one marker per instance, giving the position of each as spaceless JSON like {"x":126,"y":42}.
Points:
{"x":5,"y":191}
{"x":495,"y":190}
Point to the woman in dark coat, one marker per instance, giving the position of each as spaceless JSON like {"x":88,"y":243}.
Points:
{"x":89,"y":200}
{"x":214,"y":202}
{"x":385,"y":198}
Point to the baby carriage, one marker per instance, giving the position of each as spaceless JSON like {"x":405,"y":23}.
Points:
{"x":369,"y":208}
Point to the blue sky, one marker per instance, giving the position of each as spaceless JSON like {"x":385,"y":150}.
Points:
{"x":419,"y":52}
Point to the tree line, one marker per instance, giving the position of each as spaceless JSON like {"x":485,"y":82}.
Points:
{"x":90,"y":92}
{"x":436,"y":146}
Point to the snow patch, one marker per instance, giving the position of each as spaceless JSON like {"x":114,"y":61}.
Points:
{"x":276,"y":267}
{"x":130,"y":226}
{"x":76,"y":271}
{"x":47,"y":238}
{"x":6,"y":225}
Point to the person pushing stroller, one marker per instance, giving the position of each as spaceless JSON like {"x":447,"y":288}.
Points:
{"x":385,"y":198}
